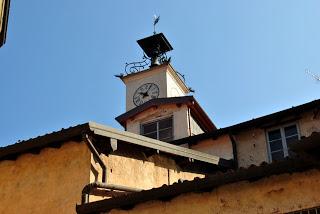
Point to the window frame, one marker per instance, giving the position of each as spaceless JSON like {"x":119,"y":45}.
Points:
{"x":157,"y":120}
{"x":283,"y":138}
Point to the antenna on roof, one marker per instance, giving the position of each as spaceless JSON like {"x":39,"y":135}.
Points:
{"x":155,"y":21}
{"x":315,"y":76}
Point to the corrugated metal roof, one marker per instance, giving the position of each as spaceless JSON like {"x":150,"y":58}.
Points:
{"x":33,"y":145}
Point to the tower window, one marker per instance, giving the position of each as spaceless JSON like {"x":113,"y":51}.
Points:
{"x":160,"y":129}
{"x":280,"y":139}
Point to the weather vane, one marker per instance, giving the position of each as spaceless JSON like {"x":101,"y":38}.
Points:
{"x":155,"y":21}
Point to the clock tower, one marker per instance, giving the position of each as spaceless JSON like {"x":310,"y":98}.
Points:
{"x":160,"y":80}
{"x":157,"y":101}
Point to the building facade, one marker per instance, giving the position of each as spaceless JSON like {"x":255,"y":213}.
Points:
{"x":170,"y":149}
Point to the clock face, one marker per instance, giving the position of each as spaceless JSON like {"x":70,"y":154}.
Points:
{"x":145,"y":93}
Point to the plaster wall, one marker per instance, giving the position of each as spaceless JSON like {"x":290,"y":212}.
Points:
{"x":156,"y":76}
{"x":134,"y":169}
{"x":180,"y":119}
{"x":275,"y":194}
{"x":163,"y":76}
{"x":310,"y":122}
{"x":144,"y":172}
{"x":48,"y":182}
{"x":252,"y":144}
{"x":173,"y":87}
{"x":194,"y":127}
{"x":221,"y":147}
{"x":252,"y":147}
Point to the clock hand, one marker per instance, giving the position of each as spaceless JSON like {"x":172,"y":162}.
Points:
{"x":144,"y":94}
{"x":149,"y":88}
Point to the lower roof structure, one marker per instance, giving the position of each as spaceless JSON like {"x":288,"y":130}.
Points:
{"x":297,"y":163}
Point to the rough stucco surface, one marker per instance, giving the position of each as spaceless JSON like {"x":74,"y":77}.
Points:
{"x":309,"y":123}
{"x":180,"y":119}
{"x":144,"y":172}
{"x":194,"y":126}
{"x":276,"y":194}
{"x":137,"y":170}
{"x":221,"y":147}
{"x":252,"y":144}
{"x":48,"y":182}
{"x":251,"y":147}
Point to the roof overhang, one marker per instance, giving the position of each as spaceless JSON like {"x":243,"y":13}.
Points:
{"x":55,"y":139}
{"x":197,"y":112}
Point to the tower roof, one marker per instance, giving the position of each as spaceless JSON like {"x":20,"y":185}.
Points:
{"x":198,"y":112}
{"x":155,"y":45}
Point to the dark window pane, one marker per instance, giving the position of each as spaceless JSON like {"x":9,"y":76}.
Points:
{"x":166,"y":123}
{"x":166,"y":139}
{"x":290,"y":130}
{"x":312,"y":211}
{"x":292,"y":139}
{"x":150,"y":127}
{"x":164,"y":134}
{"x":277,"y":155}
{"x":152,"y":135}
{"x":276,"y":145}
{"x":274,"y":135}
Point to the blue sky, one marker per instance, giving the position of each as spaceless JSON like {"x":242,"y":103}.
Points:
{"x":245,"y":59}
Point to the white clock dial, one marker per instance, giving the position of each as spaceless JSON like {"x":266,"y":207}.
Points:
{"x":145,"y":93}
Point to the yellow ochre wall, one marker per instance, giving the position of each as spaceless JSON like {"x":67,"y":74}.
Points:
{"x":137,"y":170}
{"x":48,"y":182}
{"x":221,"y":147}
{"x":275,"y":194}
{"x":252,"y":144}
{"x":147,"y":173}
